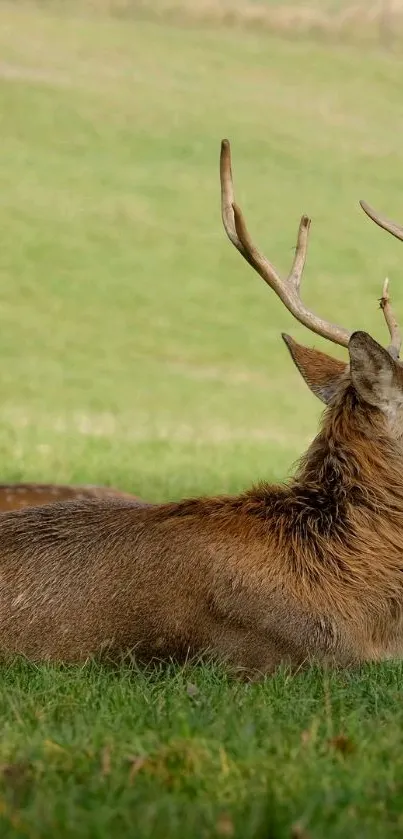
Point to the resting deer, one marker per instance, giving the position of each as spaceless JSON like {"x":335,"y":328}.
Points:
{"x":287,"y":573}
{"x":17,"y":496}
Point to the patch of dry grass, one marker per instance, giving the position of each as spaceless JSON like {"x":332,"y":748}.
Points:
{"x":379,"y":20}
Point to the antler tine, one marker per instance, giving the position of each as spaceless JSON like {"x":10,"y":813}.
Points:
{"x":286,"y":289}
{"x":297,"y":269}
{"x":392,"y":324}
{"x":393,"y":228}
{"x":227,"y":198}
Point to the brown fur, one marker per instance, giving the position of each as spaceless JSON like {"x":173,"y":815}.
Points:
{"x":17,"y":496}
{"x":278,"y":574}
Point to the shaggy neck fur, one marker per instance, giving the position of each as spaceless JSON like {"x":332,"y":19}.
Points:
{"x":353,"y":464}
{"x":341,"y":517}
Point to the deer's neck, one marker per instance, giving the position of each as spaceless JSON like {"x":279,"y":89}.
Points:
{"x":352,"y":466}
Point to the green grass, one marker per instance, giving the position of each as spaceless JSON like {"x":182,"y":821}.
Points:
{"x":190,"y":754}
{"x":139,"y":350}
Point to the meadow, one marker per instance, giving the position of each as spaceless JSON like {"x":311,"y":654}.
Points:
{"x":139,"y":350}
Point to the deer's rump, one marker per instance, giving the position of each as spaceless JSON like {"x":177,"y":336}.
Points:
{"x":90,"y":578}
{"x":18,"y":496}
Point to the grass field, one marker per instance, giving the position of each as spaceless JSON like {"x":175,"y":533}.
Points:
{"x":139,"y":350}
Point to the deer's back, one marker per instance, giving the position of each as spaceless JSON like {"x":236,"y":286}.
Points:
{"x":86,"y":578}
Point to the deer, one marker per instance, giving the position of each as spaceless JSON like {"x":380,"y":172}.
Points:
{"x":308,"y":570}
{"x":19,"y":495}
{"x":320,"y":371}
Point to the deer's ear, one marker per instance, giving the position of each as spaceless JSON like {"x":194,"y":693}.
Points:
{"x":321,"y":372}
{"x":373,"y":372}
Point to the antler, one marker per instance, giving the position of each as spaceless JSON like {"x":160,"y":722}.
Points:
{"x":382,"y":221}
{"x":286,"y":289}
{"x":393,"y":326}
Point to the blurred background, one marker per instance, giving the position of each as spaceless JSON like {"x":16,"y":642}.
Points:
{"x":138,"y":348}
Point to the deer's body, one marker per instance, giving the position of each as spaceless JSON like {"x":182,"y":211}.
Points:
{"x":17,"y":496}
{"x":279,"y":574}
